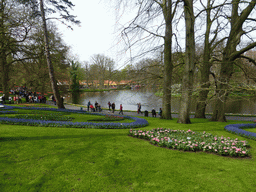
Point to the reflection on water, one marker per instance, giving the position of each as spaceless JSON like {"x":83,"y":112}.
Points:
{"x":130,"y":98}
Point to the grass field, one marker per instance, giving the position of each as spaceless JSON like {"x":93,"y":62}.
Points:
{"x":251,"y":130}
{"x":69,"y":159}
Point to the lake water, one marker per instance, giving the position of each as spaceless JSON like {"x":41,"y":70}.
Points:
{"x":148,"y":100}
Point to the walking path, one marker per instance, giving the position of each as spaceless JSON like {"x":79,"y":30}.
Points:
{"x":134,"y":113}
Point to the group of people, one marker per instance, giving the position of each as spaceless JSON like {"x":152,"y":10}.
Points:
{"x":113,"y":107}
{"x":29,"y":96}
{"x":4,"y":100}
{"x":35,"y":98}
{"x":154,"y":112}
{"x":95,"y":108}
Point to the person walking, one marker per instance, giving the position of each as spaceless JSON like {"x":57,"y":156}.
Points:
{"x":153,"y":112}
{"x":109,"y":106}
{"x":96,"y":106}
{"x":113,"y":107}
{"x":121,"y":109}
{"x":88,"y":105}
{"x":139,"y":110}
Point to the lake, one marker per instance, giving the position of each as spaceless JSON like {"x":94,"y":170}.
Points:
{"x":148,"y":100}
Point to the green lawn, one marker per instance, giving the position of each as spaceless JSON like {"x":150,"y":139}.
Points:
{"x":251,"y":130}
{"x":68,"y":159}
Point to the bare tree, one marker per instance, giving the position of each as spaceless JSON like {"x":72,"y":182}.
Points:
{"x":188,"y":74}
{"x":212,"y":15}
{"x":103,"y":63}
{"x":238,"y":27}
{"x":149,"y":12}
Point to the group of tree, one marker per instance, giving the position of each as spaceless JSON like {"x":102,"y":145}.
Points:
{"x":30,"y":47}
{"x":217,"y":34}
{"x":225,"y":28}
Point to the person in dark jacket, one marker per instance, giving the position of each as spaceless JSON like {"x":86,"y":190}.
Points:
{"x":153,"y":113}
{"x":160,"y":112}
{"x":88,"y":105}
{"x":109,"y":106}
{"x":96,"y":105}
{"x":113,"y":107}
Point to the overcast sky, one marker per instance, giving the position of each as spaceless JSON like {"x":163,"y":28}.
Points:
{"x":97,"y":34}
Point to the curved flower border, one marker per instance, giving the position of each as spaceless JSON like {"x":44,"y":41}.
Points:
{"x":238,"y":129}
{"x":44,"y":123}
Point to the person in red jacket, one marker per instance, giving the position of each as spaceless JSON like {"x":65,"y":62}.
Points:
{"x":121,"y":109}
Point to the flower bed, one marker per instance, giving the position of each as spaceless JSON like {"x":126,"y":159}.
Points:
{"x":238,"y":129}
{"x":193,"y":141}
{"x":7,"y":112}
{"x":138,"y":122}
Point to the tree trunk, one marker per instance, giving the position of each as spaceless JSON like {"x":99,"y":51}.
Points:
{"x":205,"y":69}
{"x":5,"y":74}
{"x":168,"y":66}
{"x":54,"y":85}
{"x":188,"y":74}
{"x":3,"y":57}
{"x":204,"y":89}
{"x":222,"y":90}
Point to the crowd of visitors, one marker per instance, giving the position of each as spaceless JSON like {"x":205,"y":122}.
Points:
{"x":21,"y":92}
{"x":95,"y":108}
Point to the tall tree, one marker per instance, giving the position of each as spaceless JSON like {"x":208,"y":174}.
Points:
{"x":14,"y":29}
{"x":209,"y":46}
{"x":188,"y":74}
{"x":143,"y":24}
{"x":55,"y":89}
{"x":168,"y":65}
{"x":239,"y":17}
{"x":62,"y":7}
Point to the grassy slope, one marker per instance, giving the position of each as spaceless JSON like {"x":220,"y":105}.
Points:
{"x":62,"y":159}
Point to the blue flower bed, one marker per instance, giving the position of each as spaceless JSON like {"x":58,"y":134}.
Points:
{"x":7,"y":112}
{"x":30,"y":122}
{"x":238,"y":129}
